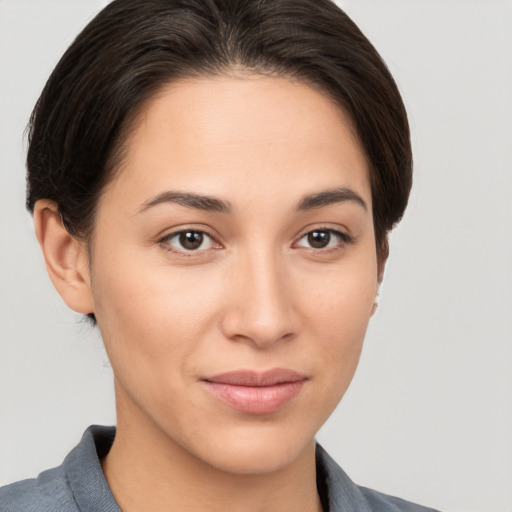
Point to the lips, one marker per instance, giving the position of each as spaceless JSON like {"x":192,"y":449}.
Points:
{"x":256,"y":392}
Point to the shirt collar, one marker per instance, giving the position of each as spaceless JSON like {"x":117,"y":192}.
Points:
{"x":338,"y":493}
{"x":91,"y":491}
{"x":83,"y":470}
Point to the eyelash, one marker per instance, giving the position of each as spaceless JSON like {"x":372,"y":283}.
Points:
{"x":165,"y":242}
{"x":342,"y":238}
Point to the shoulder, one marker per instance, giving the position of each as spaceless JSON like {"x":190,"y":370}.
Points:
{"x":49,"y":491}
{"x":380,"y":502}
{"x":341,"y":494}
{"x":78,"y":484}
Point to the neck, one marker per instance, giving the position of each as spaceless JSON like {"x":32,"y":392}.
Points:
{"x":147,"y":471}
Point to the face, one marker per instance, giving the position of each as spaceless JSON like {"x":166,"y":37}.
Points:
{"x":234,"y":269}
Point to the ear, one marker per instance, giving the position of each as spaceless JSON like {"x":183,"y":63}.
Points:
{"x":65,"y":256}
{"x":382,"y":257}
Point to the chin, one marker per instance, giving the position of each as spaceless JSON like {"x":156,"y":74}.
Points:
{"x":260,"y":449}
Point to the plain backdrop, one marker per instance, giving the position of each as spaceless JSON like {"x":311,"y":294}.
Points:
{"x":429,"y":414}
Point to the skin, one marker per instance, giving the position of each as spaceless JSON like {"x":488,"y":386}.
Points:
{"x":256,"y":295}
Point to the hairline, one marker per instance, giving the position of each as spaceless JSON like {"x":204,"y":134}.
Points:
{"x":115,"y":162}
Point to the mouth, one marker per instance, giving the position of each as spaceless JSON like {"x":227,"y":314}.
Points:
{"x":256,"y":392}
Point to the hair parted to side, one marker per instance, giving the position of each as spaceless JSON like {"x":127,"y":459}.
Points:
{"x":133,"y":48}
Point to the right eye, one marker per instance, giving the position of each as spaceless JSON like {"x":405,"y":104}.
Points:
{"x":188,"y":241}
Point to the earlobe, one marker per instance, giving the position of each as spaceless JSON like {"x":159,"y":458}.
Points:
{"x":65,"y":257}
{"x":382,"y":257}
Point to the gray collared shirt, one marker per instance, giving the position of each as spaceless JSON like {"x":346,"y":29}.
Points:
{"x":78,"y":485}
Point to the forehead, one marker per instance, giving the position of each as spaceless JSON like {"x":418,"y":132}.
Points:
{"x":241,"y":131}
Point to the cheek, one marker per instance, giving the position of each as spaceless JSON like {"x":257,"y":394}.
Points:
{"x":149,"y":314}
{"x":151,"y":301}
{"x":154,"y":326}
{"x":343,"y":296}
{"x":338,"y":308}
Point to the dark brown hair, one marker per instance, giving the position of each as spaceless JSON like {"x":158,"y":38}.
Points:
{"x":133,"y":48}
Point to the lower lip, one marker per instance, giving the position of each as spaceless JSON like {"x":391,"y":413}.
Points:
{"x":256,"y":399}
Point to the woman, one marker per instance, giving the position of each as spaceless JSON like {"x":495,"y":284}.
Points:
{"x":213,"y":183}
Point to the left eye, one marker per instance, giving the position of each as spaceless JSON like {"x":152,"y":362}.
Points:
{"x":323,"y":239}
{"x":188,"y":241}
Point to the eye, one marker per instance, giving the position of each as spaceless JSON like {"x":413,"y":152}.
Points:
{"x":188,"y":240}
{"x":324,"y":239}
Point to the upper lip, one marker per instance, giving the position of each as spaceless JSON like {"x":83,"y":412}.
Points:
{"x":251,"y":378}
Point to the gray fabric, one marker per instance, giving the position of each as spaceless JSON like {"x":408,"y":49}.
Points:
{"x":345,"y":496}
{"x":78,"y":485}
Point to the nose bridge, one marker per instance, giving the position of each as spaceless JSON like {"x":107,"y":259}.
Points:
{"x":262,"y":308}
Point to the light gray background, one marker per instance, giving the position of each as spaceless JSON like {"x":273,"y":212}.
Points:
{"x":429,"y":414}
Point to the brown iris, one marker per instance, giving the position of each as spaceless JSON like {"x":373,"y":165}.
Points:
{"x":191,"y":240}
{"x":319,"y":239}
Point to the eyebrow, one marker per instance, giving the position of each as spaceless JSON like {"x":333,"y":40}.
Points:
{"x":212,"y":204}
{"x":329,"y":197}
{"x":190,"y":200}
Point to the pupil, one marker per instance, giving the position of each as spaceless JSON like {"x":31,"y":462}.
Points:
{"x":191,"y":240}
{"x":319,"y":239}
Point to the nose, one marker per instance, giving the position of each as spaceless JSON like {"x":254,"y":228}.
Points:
{"x":261,"y":308}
